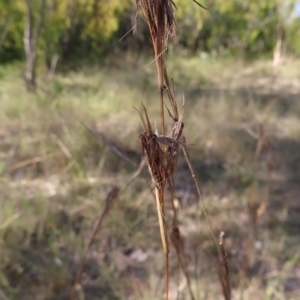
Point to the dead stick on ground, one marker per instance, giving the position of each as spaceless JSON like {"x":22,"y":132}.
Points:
{"x":34,"y":160}
{"x":109,"y":144}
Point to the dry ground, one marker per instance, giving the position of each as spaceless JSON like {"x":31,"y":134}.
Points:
{"x":55,"y":176}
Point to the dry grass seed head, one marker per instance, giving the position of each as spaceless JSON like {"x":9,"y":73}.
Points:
{"x":161,"y":152}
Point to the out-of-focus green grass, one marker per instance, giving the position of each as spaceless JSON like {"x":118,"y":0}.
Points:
{"x":55,"y":176}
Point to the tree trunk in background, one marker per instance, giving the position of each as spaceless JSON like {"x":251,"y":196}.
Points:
{"x":277,"y":53}
{"x":52,"y":67}
{"x":30,"y":43}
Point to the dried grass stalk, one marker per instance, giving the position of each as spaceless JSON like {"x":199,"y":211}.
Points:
{"x":161,"y":151}
{"x":161,"y":154}
{"x":223,"y":270}
{"x":159,"y":15}
{"x":178,"y":244}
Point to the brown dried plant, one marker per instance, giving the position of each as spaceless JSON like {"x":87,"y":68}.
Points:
{"x":161,"y":151}
{"x":161,"y":154}
{"x":223,"y":270}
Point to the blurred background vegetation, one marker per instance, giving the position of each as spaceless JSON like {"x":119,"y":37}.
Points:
{"x":237,"y":64}
{"x":71,"y":28}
